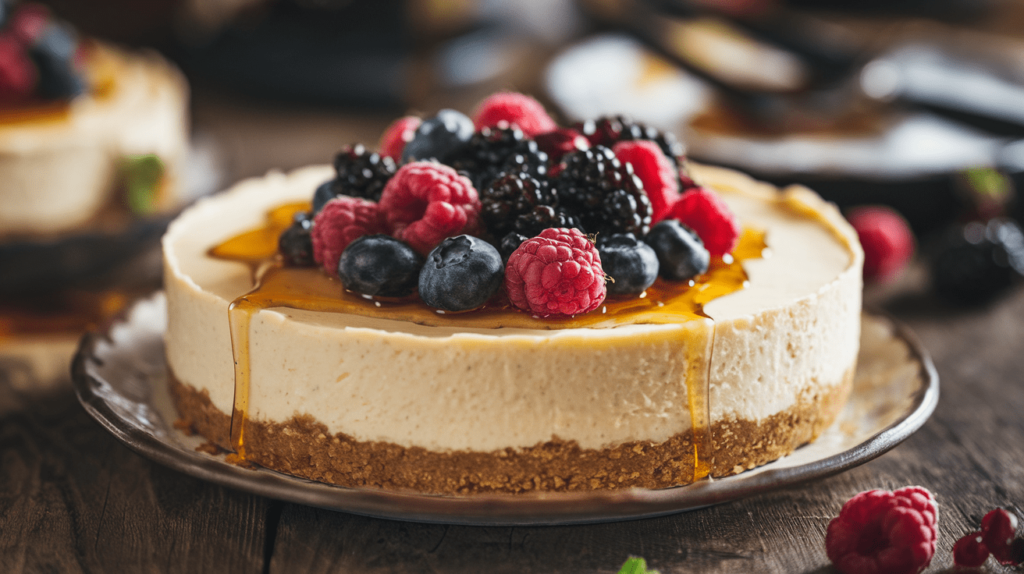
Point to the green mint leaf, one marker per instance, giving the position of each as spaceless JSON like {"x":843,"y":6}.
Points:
{"x":636,"y":565}
{"x":141,"y":176}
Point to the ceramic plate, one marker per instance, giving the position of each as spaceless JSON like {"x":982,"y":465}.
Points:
{"x":120,"y":376}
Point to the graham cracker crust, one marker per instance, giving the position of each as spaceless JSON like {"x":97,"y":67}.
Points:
{"x":303,"y":447}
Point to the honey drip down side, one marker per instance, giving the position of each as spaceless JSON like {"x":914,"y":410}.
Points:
{"x":310,"y":289}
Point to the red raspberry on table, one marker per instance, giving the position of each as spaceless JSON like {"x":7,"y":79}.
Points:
{"x":970,"y":551}
{"x":998,"y":529}
{"x":399,"y":133}
{"x":17,"y":72}
{"x":426,"y":202}
{"x":342,"y":220}
{"x":556,"y":273}
{"x":881,"y":532}
{"x":703,"y":211}
{"x":656,"y":170}
{"x":513,"y":108}
{"x":886,"y":238}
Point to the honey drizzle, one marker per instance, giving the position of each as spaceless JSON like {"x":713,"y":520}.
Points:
{"x":309,"y":289}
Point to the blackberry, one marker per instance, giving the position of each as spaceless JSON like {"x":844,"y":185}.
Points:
{"x":604,"y":194}
{"x":543,"y":217}
{"x":510,"y":196}
{"x":979,"y":261}
{"x":362,"y":173}
{"x":509,"y":244}
{"x":608,"y":130}
{"x":295,"y":243}
{"x":495,"y":151}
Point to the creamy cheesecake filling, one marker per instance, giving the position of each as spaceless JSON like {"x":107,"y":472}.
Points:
{"x":791,"y":333}
{"x":59,"y":168}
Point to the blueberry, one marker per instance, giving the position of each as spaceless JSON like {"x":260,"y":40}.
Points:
{"x":379,"y":265}
{"x":295,"y":243}
{"x":439,"y":137}
{"x":323,"y":194}
{"x":681,"y":254}
{"x":54,"y":56}
{"x":631,"y":263}
{"x":460,"y":274}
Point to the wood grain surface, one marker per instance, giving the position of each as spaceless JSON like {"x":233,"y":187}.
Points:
{"x":72,"y":499}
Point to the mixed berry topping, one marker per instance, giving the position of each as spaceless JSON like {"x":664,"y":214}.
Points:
{"x":495,"y":151}
{"x":508,"y":209}
{"x":556,"y":273}
{"x":608,"y":130}
{"x":511,"y":109}
{"x":631,"y":264}
{"x":558,"y":142}
{"x":380,"y":265}
{"x":426,"y":202}
{"x":511,"y":196}
{"x":886,"y":238}
{"x":399,"y":133}
{"x":362,"y":173}
{"x":339,"y":223}
{"x":882,"y":532}
{"x":296,"y":242}
{"x":461,"y":273}
{"x":38,"y":58}
{"x":703,"y":211}
{"x":603,"y":193}
{"x":440,"y":137}
{"x":655,"y":170}
{"x":680,"y":252}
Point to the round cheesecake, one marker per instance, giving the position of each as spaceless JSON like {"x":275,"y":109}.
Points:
{"x":59,"y":163}
{"x":467,"y":404}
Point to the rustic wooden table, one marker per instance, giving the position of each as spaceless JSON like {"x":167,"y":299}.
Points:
{"x":73,"y":499}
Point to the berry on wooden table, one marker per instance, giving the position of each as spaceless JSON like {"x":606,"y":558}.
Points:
{"x":882,"y":532}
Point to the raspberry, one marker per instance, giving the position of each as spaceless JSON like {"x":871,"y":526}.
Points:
{"x":29,"y":22}
{"x":515,"y":109}
{"x":399,"y":133}
{"x":998,"y":528}
{"x":425,"y":202}
{"x":884,"y":532}
{"x":661,"y":182}
{"x":970,"y":551}
{"x":556,"y":273}
{"x":17,"y":73}
{"x":703,"y":211}
{"x":559,"y":142}
{"x":886,"y":238}
{"x":342,"y":220}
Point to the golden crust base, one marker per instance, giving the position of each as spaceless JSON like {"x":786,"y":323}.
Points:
{"x":301,"y":446}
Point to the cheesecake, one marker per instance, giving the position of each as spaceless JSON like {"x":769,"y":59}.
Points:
{"x":63,"y":162}
{"x":285,"y":368}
